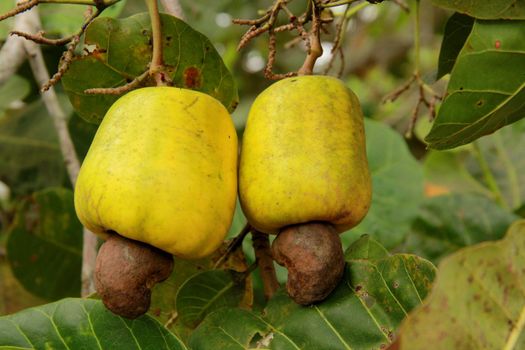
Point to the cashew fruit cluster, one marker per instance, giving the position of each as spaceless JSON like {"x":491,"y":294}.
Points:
{"x":160,"y":179}
{"x":303,"y":175}
{"x":162,"y":170}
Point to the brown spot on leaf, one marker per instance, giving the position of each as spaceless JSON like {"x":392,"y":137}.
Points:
{"x":192,"y":77}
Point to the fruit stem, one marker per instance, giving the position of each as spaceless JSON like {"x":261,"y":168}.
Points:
{"x":316,"y":50}
{"x":156,"y":68}
{"x":263,"y":254}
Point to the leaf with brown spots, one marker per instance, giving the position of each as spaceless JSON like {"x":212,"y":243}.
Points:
{"x":487,"y":85}
{"x":116,"y":51}
{"x":363,"y":312}
{"x":44,"y":246}
{"x":478,"y":300}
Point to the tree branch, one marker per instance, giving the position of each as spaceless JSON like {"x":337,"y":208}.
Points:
{"x":173,"y":8}
{"x":67,"y":148}
{"x":263,"y":254}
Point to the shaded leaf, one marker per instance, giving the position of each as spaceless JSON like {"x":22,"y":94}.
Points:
{"x":120,"y":50}
{"x":44,"y":247}
{"x":82,"y":134}
{"x":362,"y":313}
{"x":483,"y":94}
{"x":164,"y":295}
{"x":13,"y":296}
{"x":486,"y":9}
{"x":450,"y":222}
{"x":207,"y":292}
{"x":65,"y":19}
{"x":14,"y":89}
{"x":396,"y":178}
{"x":478,"y":300}
{"x":499,"y":156}
{"x":30,"y":157}
{"x":457,"y":30}
{"x":82,"y":324}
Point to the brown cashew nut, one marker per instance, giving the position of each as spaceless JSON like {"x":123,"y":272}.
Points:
{"x":314,"y":257}
{"x":125,"y":272}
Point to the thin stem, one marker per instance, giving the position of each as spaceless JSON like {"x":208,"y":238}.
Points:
{"x":337,"y":3}
{"x":355,"y":9}
{"x":316,"y":50}
{"x":234,"y":244}
{"x":417,"y":39}
{"x":263,"y":254}
{"x":488,"y":176}
{"x":105,"y":3}
{"x":512,"y":174}
{"x":38,"y":66}
{"x":157,"y":64}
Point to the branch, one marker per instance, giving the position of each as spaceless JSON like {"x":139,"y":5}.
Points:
{"x":41,"y":75}
{"x":263,"y":254}
{"x":13,"y":54}
{"x":173,"y":8}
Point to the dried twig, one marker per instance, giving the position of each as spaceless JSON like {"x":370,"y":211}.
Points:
{"x":234,"y":244}
{"x":67,"y":58}
{"x":40,"y":39}
{"x":21,"y":7}
{"x":121,"y":89}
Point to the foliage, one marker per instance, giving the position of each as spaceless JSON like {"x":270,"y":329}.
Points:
{"x":448,"y":194}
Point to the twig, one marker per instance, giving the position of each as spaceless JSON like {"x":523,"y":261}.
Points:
{"x":423,"y":88}
{"x":13,"y":53}
{"x":234,"y":244}
{"x":156,"y":67}
{"x":26,"y":5}
{"x":263,"y":254}
{"x":316,"y":50}
{"x":121,"y":89}
{"x":67,"y":148}
{"x":67,"y":57}
{"x":21,"y":7}
{"x":40,"y":39}
{"x":173,"y":8}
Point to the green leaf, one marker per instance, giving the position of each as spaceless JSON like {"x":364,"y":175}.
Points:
{"x":366,"y":248}
{"x":30,"y":157}
{"x":14,"y":89}
{"x":483,"y":94}
{"x":362,"y":313}
{"x":457,"y":30}
{"x":82,"y":133}
{"x":478,"y":300}
{"x":120,"y":50}
{"x":185,"y":273}
{"x":486,"y":9}
{"x":207,"y":292}
{"x":44,"y":246}
{"x":498,"y":157}
{"x":396,"y":178}
{"x":82,"y":324}
{"x":450,"y":222}
{"x":13,"y":296}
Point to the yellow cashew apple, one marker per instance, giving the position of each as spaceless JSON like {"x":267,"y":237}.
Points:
{"x":303,"y":156}
{"x":162,"y":169}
